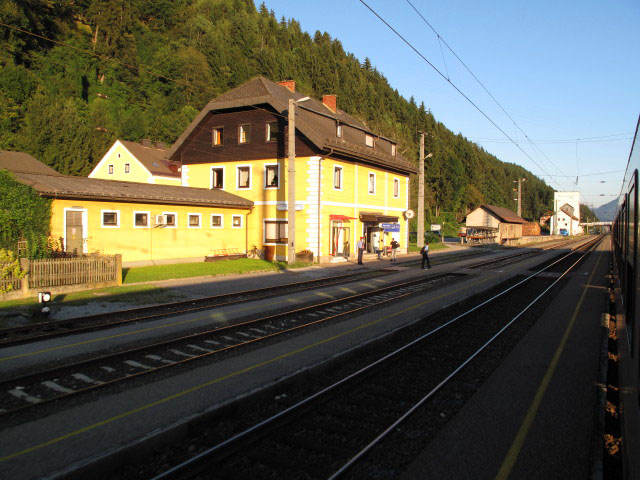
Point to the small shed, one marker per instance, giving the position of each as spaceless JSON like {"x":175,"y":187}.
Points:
{"x":491,"y":224}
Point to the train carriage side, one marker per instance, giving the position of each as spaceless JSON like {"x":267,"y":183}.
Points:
{"x":625,"y":249}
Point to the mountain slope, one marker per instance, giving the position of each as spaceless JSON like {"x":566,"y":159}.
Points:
{"x":135,"y":69}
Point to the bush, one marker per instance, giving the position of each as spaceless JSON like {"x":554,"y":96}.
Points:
{"x":9,"y":267}
{"x":24,"y":215}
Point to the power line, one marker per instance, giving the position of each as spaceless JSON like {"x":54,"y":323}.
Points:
{"x":533,"y":145}
{"x":410,"y":45}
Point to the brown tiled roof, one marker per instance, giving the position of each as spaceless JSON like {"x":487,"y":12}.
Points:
{"x":63,"y":186}
{"x":504,"y":214}
{"x":568,"y":210}
{"x":23,"y":162}
{"x":153,"y":159}
{"x":313,"y":119}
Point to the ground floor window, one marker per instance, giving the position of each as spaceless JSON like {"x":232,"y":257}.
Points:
{"x":110,"y":218}
{"x":275,"y":231}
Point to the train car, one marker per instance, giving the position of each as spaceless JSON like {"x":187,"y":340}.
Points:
{"x":627,"y":287}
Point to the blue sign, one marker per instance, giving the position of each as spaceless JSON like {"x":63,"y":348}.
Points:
{"x":391,"y":227}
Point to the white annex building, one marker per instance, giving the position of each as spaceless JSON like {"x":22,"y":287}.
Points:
{"x":566,"y":213}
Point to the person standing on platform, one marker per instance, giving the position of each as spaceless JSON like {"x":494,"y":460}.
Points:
{"x":360,"y":247}
{"x":425,"y":255}
{"x":394,"y":249}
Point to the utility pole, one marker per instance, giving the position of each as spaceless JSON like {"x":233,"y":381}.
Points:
{"x":420,"y":239}
{"x":420,"y":234}
{"x":291,"y":181}
{"x":520,"y":180}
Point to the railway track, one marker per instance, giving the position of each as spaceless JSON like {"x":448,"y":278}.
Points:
{"x":340,"y":430}
{"x":42,"y":387}
{"x":54,"y":328}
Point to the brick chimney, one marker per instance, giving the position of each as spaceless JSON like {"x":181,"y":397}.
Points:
{"x":331,"y":102}
{"x":290,"y":84}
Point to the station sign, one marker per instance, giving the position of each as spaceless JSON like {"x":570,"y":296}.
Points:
{"x":391,"y":227}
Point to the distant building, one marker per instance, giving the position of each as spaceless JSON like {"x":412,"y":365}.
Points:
{"x":137,"y":162}
{"x":566,"y":213}
{"x":491,"y":224}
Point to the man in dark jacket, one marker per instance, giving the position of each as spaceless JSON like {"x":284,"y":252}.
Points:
{"x":425,"y":255}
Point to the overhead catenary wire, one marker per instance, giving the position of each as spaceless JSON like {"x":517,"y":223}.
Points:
{"x":410,"y":45}
{"x":440,"y":39}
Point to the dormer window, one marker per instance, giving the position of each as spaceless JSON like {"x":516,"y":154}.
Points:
{"x":368,"y":140}
{"x":393,"y":149}
{"x":339,"y":131}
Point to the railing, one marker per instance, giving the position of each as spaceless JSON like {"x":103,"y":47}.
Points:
{"x":72,"y":271}
{"x":59,"y":272}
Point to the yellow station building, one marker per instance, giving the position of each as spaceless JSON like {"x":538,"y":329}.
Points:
{"x":350,"y":182}
{"x":223,"y":185}
{"x":145,"y":223}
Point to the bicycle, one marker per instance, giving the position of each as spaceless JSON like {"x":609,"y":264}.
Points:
{"x":255,"y":252}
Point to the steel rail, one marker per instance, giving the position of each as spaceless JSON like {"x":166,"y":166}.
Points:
{"x":208,"y":302}
{"x":446,"y":380}
{"x":33,"y":378}
{"x":218,"y":450}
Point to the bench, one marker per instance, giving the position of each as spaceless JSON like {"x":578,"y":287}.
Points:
{"x":225,"y":254}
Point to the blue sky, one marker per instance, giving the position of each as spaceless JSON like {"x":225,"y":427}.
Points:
{"x":563,"y":71}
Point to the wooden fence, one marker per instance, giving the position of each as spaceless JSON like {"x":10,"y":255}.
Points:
{"x":59,"y":272}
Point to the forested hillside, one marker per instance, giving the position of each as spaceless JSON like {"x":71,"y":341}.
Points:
{"x":131,"y":69}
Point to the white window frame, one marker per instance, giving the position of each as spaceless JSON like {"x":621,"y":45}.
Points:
{"x":264,"y":230}
{"x":369,"y":139}
{"x":102,"y":212}
{"x":221,"y":220}
{"x":396,"y":181}
{"x":148,"y":219}
{"x":175,"y":215}
{"x":341,"y":168}
{"x":264,"y":173}
{"x":238,"y":187}
{"x":199,"y":215}
{"x":85,"y":247}
{"x":224,"y":175}
{"x":241,"y":221}
{"x":374,"y":183}
{"x":339,"y":131}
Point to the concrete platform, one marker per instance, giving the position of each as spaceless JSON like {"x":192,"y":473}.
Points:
{"x":535,"y":417}
{"x":49,"y":446}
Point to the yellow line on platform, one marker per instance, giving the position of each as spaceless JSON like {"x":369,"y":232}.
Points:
{"x":230,"y":375}
{"x":521,"y":436}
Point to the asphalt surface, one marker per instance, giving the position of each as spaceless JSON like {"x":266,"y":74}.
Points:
{"x":49,"y":446}
{"x":557,"y":437}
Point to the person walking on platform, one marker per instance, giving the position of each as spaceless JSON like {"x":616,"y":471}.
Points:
{"x":360,"y":247}
{"x":394,"y":249}
{"x":425,"y":255}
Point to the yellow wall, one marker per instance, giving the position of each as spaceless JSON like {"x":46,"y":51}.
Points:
{"x":153,"y":243}
{"x":311,"y":224}
{"x":118,"y":156}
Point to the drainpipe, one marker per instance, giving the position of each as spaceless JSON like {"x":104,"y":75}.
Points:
{"x":319,"y":196}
